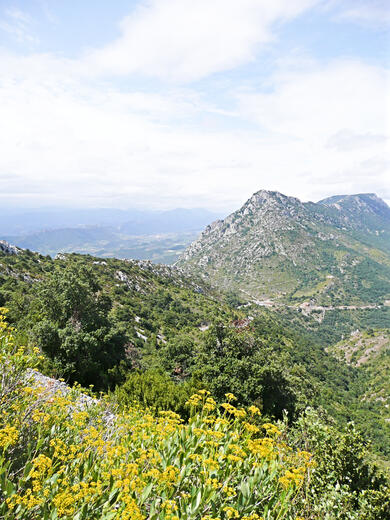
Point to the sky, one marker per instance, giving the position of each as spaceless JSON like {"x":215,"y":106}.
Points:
{"x":192,"y":103}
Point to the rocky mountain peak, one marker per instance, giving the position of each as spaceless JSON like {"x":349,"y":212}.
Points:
{"x":272,"y":196}
{"x":276,"y":246}
{"x":271,"y":199}
{"x":262,"y":208}
{"x":268,"y":206}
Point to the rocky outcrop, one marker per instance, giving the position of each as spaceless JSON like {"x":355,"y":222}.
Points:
{"x":8,"y":249}
{"x":51,"y":387}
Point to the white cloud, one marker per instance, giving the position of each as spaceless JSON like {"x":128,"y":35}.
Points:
{"x":374,"y":13}
{"x":67,"y":137}
{"x":332,"y":121}
{"x":71,"y":142}
{"x":67,"y":141}
{"x":350,"y":140}
{"x":313,"y":103}
{"x":18,"y":24}
{"x":183,"y":40}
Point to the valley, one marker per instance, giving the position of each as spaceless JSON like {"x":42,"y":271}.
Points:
{"x":160,"y":236}
{"x":107,"y":243}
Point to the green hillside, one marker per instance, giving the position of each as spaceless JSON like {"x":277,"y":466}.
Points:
{"x":152,"y":333}
{"x":146,"y":303}
{"x":152,"y":336}
{"x":369,"y":351}
{"x":336,"y":252}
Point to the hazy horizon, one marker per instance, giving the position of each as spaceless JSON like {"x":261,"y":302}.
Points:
{"x":14,"y":208}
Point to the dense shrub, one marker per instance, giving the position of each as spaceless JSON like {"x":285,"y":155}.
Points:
{"x":155,"y":390}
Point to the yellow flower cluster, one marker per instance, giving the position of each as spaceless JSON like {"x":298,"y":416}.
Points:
{"x":8,"y":436}
{"x":271,"y":429}
{"x":295,"y":477}
{"x":253,"y":410}
{"x":262,"y":448}
{"x":239,"y":413}
{"x":231,"y":512}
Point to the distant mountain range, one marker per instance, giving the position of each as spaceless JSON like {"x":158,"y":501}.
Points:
{"x":334,"y":252}
{"x":132,"y":222}
{"x":155,"y":235}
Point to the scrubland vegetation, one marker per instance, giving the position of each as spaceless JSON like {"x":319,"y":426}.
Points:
{"x":64,"y":457}
{"x":198,"y":412}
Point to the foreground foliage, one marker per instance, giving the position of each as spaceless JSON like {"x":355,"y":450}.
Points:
{"x":62,"y":459}
{"x":64,"y":455}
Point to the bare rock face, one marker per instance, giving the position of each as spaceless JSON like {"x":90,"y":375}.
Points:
{"x":8,"y":249}
{"x":276,"y":246}
{"x":51,"y":387}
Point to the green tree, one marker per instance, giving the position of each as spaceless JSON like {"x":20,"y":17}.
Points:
{"x":73,"y":328}
{"x":241,"y":362}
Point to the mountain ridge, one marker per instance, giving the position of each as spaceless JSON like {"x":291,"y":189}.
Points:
{"x":307,"y":249}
